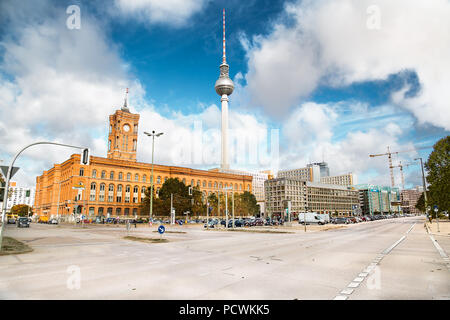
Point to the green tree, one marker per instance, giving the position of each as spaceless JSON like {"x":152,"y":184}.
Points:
{"x":21,"y":210}
{"x":420,"y":205}
{"x":438,"y":177}
{"x":212,"y":200}
{"x":248,"y":204}
{"x":161,"y":204}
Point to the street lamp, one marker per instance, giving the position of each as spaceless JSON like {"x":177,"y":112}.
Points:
{"x":226,"y":206}
{"x":153,"y":135}
{"x":423,"y":182}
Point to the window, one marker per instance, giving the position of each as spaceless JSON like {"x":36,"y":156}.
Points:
{"x":135,"y":211}
{"x":119,"y":188}
{"x":165,"y":179}
{"x":204,"y":183}
{"x":118,"y":211}
{"x":215,"y":185}
{"x":94,"y":173}
{"x":109,"y":145}
{"x":102,"y":187}
{"x":158,"y":180}
{"x":143,"y":191}
{"x":135,"y":130}
{"x":127,"y":189}
{"x":127,"y":211}
{"x":136,"y":177}
{"x":111,"y":188}
{"x":220,"y":185}
{"x":128,"y":176}
{"x":103,"y":174}
{"x":111,"y":175}
{"x":248,"y":187}
{"x":134,"y":144}
{"x":81,"y":172}
{"x":209,"y":184}
{"x":192,"y":182}
{"x":93,"y":185}
{"x":198,"y":183}
{"x":120,"y":176}
{"x":184,"y":181}
{"x":144,"y":178}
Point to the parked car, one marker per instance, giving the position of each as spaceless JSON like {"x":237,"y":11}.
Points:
{"x":11,"y":221}
{"x":23,"y":222}
{"x":341,"y":220}
{"x":53,"y":221}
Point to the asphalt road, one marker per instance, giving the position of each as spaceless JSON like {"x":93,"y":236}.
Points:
{"x":387,"y":259}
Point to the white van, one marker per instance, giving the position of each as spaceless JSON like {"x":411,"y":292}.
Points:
{"x":311,"y":217}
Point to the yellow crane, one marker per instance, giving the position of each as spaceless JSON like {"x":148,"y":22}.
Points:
{"x":389,"y":155}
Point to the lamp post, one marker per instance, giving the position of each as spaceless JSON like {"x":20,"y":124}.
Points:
{"x":84,"y":159}
{"x":153,"y":134}
{"x":424,"y":185}
{"x":226,"y":205}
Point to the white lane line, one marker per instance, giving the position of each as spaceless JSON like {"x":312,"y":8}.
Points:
{"x":353,"y":285}
{"x":357,"y":281}
{"x":441,"y":251}
{"x":385,"y":252}
{"x":347,"y":291}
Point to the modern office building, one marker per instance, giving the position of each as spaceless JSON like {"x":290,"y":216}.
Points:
{"x":19,"y":195}
{"x":313,"y":172}
{"x":348,"y":179}
{"x":409,"y":200}
{"x":378,"y":199}
{"x":308,"y":196}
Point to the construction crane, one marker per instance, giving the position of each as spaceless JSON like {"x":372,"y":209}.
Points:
{"x":389,"y":154}
{"x":400,"y":165}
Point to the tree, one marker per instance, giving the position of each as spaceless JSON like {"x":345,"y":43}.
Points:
{"x":247,"y":204}
{"x":438,"y":177}
{"x":161,"y":204}
{"x":420,"y":205}
{"x":21,"y":210}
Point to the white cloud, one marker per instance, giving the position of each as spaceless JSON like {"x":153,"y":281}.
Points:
{"x":170,"y":12}
{"x":328,"y":42}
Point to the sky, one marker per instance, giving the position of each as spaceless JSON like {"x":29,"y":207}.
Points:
{"x":314,"y":81}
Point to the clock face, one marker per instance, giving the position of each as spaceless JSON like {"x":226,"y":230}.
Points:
{"x":126,"y":128}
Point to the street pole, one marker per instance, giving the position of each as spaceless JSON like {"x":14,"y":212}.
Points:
{"x":8,"y":176}
{"x":304,"y":217}
{"x":207,"y":214}
{"x":232,"y":201}
{"x":153,"y":134}
{"x":171,"y":209}
{"x":424,"y":185}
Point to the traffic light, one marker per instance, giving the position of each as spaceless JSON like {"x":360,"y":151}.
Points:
{"x":85,"y":157}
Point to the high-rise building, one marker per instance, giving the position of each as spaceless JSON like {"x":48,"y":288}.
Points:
{"x":348,"y":179}
{"x":308,"y":196}
{"x":378,"y":199}
{"x":409,"y":200}
{"x":312,"y":172}
{"x":20,"y":195}
{"x":224,"y":87}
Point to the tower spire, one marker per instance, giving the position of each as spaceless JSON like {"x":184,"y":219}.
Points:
{"x":224,"y":58}
{"x":125,"y":104}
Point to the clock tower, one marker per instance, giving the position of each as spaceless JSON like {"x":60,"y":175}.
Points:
{"x":123,"y":133}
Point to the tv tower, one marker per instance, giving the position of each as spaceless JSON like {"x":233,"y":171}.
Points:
{"x":224,"y":87}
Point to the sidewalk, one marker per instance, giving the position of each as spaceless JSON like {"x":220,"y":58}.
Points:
{"x":444,"y":227}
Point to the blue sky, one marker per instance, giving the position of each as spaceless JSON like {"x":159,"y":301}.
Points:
{"x":336,"y":87}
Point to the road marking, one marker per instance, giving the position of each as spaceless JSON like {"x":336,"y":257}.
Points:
{"x":441,"y":251}
{"x":357,"y":281}
{"x":353,"y":285}
{"x":347,"y":291}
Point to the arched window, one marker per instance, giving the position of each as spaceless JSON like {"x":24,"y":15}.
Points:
{"x":144,"y":178}
{"x":118,"y":211}
{"x":94,"y":173}
{"x":128,"y":176}
{"x":119,"y":188}
{"x":165,"y":179}
{"x":158,"y":180}
{"x":220,"y":185}
{"x":192,"y":182}
{"x":109,"y":145}
{"x":184,"y":181}
{"x":226,"y":185}
{"x":111,"y":187}
{"x":103,"y":174}
{"x":81,"y":172}
{"x":240,"y":187}
{"x":209,"y":184}
{"x":127,"y":188}
{"x":204,"y":183}
{"x":248,"y":187}
{"x":111,"y":175}
{"x":198,"y":183}
{"x":215,"y":185}
{"x":136,"y":177}
{"x":143,"y":189}
{"x":93,"y":185}
{"x":136,"y":189}
{"x":102,"y":187}
{"x":127,"y":211}
{"x":120,"y":175}
{"x":235,"y":186}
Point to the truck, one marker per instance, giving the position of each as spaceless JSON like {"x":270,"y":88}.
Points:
{"x":311,"y":217}
{"x":325,"y":217}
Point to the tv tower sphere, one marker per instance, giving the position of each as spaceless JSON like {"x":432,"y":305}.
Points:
{"x":224,"y":85}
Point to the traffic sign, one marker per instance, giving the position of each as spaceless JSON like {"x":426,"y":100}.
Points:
{"x":435,"y":208}
{"x":5,"y":171}
{"x":161,"y":229}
